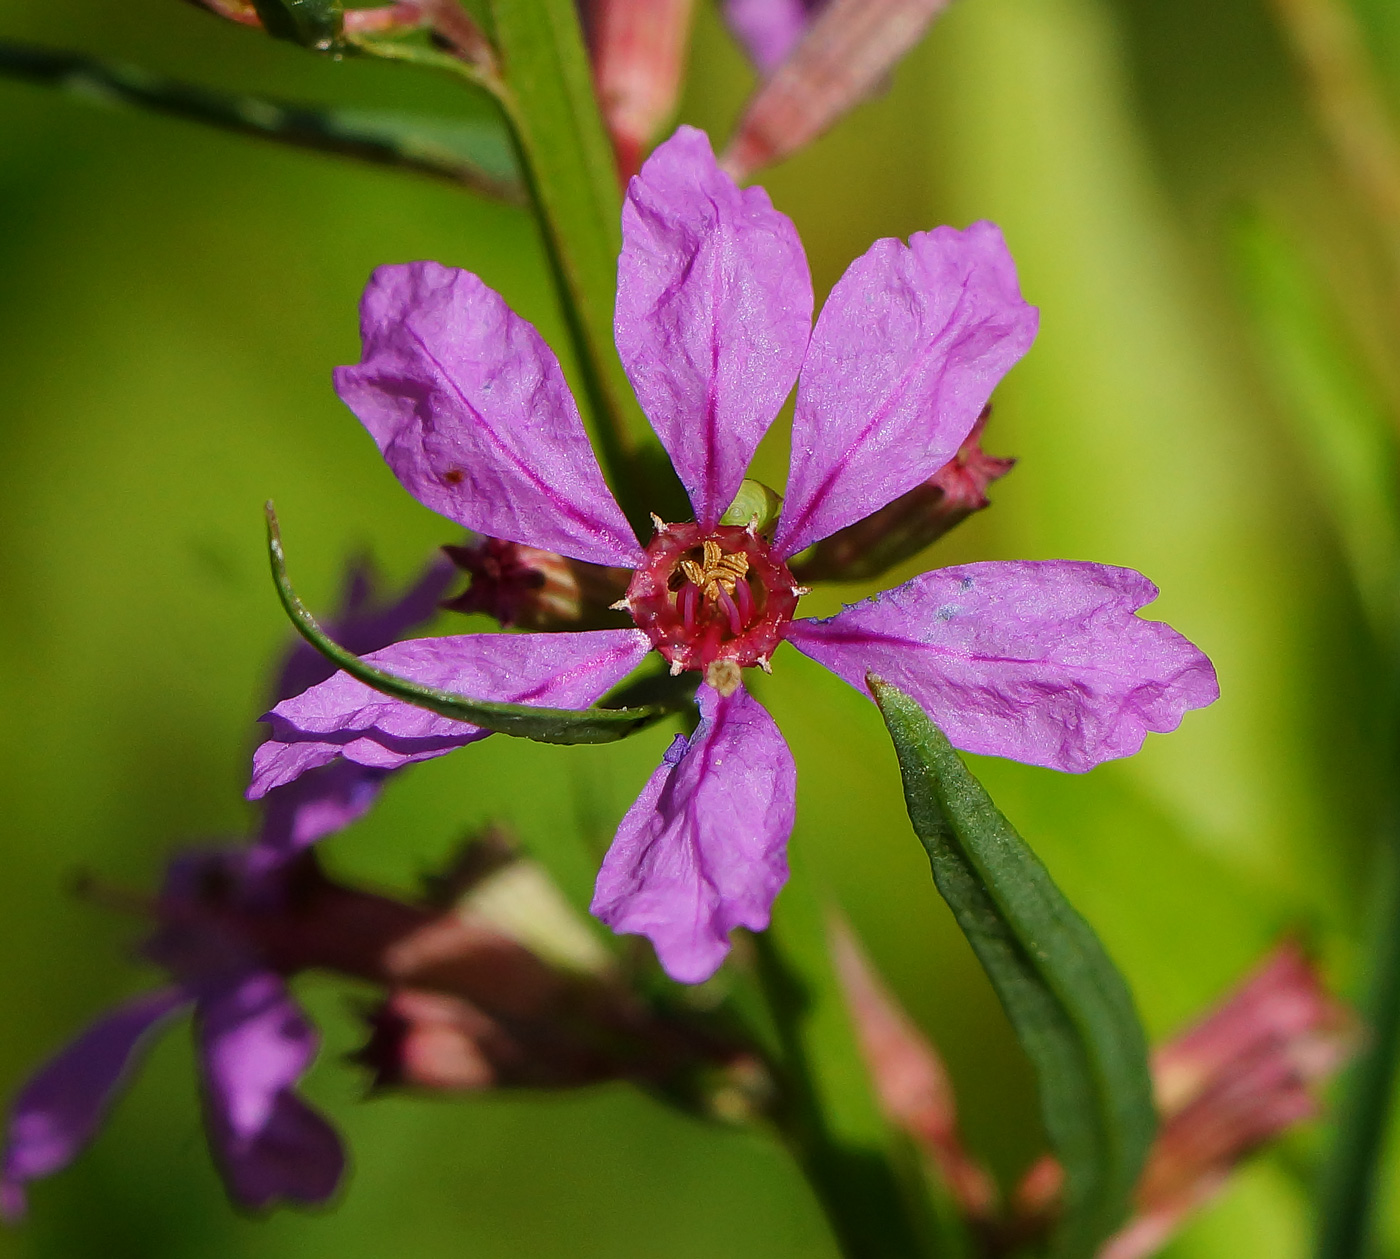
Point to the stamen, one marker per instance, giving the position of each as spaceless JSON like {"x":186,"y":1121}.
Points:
{"x":743,"y":596}
{"x":736,"y":626}
{"x":690,"y":596}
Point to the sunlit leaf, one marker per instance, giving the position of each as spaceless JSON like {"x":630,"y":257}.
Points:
{"x":1066,"y":1000}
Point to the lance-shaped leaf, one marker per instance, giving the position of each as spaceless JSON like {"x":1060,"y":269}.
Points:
{"x":469,"y":153}
{"x":843,"y":56}
{"x":1067,"y":1002}
{"x":1335,"y":408}
{"x":544,"y":725}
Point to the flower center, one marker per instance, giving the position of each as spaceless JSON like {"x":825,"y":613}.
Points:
{"x":712,"y":597}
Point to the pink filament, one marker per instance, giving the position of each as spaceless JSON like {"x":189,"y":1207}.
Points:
{"x":735,"y":625}
{"x":688,"y":599}
{"x":743,"y":596}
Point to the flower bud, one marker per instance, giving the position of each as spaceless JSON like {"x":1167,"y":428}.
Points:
{"x":1236,"y":1080}
{"x":638,"y":53}
{"x":525,"y":587}
{"x":899,"y":531}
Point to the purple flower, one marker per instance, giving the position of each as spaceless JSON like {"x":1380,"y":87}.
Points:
{"x":254,"y":1043}
{"x":1041,"y":662}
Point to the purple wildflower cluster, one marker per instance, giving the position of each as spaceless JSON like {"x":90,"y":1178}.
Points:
{"x":254,"y":1044}
{"x":1043,"y":662}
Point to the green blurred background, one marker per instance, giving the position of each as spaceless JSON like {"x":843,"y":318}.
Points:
{"x":172,"y":303}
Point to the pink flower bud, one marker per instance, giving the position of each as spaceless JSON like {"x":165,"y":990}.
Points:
{"x":903,"y":528}
{"x":533,"y":589}
{"x":638,"y":49}
{"x":1231,"y":1083}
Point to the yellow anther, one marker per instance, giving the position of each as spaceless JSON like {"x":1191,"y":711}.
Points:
{"x":716,"y":571}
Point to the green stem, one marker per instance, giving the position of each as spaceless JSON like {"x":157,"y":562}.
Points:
{"x":569,"y":169}
{"x":863,"y":1195}
{"x":385,"y":140}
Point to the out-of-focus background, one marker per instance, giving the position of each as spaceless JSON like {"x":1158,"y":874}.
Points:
{"x":172,"y":303}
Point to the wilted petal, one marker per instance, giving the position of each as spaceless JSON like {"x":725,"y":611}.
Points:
{"x":255,"y":1046}
{"x":345,"y":718}
{"x":769,"y":29}
{"x":1041,"y":662}
{"x":703,"y":849}
{"x":714,"y":308}
{"x":472,"y":413}
{"x":57,"y":1113}
{"x":905,"y":354}
{"x":845,"y":53}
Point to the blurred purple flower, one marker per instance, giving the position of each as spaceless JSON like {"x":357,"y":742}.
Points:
{"x":254,"y":1043}
{"x":1041,"y":662}
{"x":769,"y":29}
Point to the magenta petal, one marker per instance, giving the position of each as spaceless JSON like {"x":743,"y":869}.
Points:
{"x":714,"y":308}
{"x":703,"y":848}
{"x":343,"y":717}
{"x":255,"y":1046}
{"x":905,"y":354}
{"x":472,"y":413}
{"x":1040,"y":662}
{"x":61,"y":1107}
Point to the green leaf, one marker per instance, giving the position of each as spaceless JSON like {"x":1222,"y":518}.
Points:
{"x":1335,"y":409}
{"x":1066,"y":1000}
{"x":310,"y":23}
{"x":544,"y":725}
{"x":1345,"y":430}
{"x":473,"y":154}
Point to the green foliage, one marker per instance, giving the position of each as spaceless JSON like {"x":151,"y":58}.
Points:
{"x":310,"y":23}
{"x":1068,"y":1003}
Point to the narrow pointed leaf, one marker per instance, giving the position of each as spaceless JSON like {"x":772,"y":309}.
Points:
{"x":1345,"y":433}
{"x":1067,"y":1002}
{"x":544,"y":725}
{"x":471,"y":154}
{"x":1336,"y":411}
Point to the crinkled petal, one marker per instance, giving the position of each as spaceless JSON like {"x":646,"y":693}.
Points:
{"x":905,"y":354}
{"x":768,"y":29}
{"x":471,"y":411}
{"x":714,"y":309}
{"x":255,"y":1046}
{"x":1040,"y":662}
{"x":345,"y":718}
{"x":61,"y":1107}
{"x":703,"y":850}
